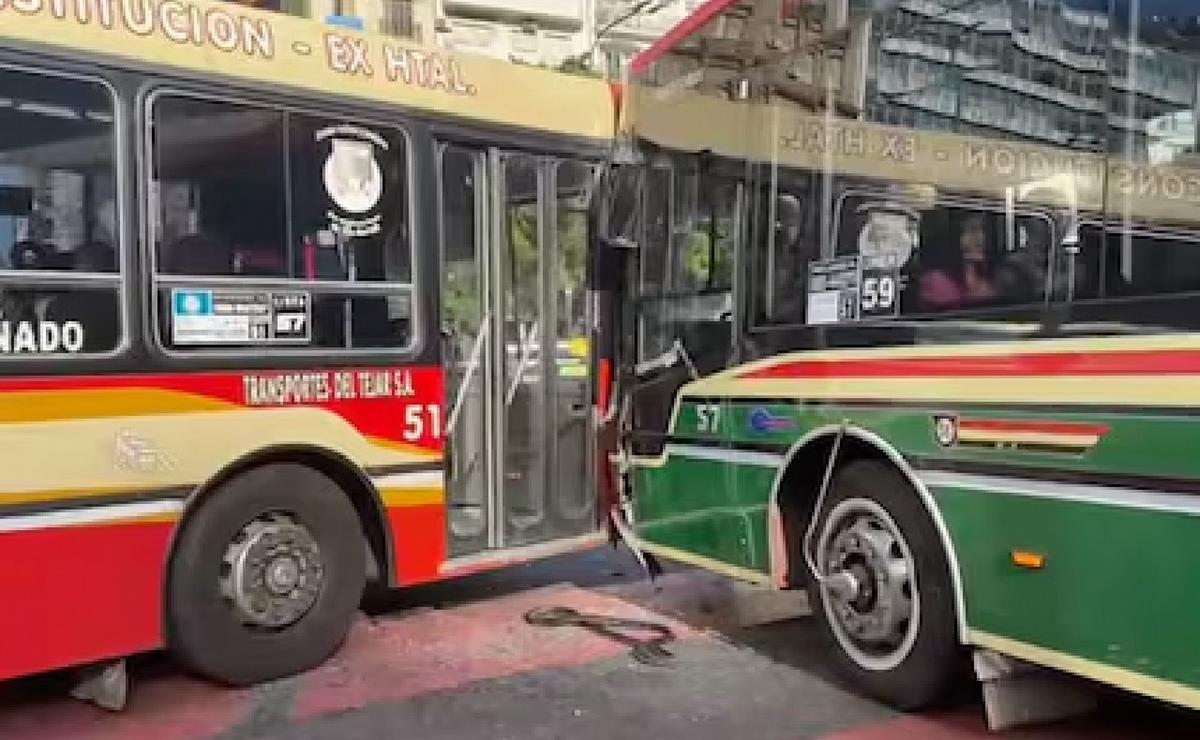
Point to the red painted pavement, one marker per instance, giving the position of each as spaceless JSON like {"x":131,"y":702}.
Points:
{"x":165,"y":708}
{"x":434,"y":650}
{"x":414,"y":653}
{"x":386,"y":659}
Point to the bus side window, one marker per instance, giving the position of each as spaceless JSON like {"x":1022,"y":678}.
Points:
{"x":253,"y":192}
{"x":58,"y":194}
{"x":1139,"y":278}
{"x":219,"y":179}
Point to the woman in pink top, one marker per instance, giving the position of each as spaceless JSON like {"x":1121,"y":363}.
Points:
{"x":970,"y":279}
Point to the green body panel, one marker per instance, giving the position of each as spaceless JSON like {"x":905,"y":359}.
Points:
{"x":706,"y":507}
{"x":1118,"y":586}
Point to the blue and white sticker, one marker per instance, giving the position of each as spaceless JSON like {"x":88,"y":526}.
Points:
{"x":240,"y":317}
{"x":765,"y":421}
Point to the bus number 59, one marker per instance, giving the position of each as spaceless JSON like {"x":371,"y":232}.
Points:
{"x":878,"y":294}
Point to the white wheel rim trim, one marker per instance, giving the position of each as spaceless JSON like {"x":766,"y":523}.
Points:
{"x":845,"y":516}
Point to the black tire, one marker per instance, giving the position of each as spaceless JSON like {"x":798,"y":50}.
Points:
{"x":203,"y":629}
{"x":925,"y":676}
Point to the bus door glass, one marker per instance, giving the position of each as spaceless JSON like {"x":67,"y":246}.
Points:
{"x":465,"y":328}
{"x":515,"y":325}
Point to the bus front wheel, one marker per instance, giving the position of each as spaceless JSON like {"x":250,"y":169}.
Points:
{"x":885,"y":599}
{"x":266,"y":576}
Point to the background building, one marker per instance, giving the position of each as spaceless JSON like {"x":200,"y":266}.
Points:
{"x":600,"y":36}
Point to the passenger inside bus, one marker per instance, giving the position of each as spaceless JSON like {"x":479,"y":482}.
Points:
{"x":19,"y":303}
{"x":977,"y":271}
{"x":967,"y":275}
{"x":97,"y":310}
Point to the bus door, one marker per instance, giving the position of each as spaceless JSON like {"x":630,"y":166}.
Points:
{"x":515,"y":323}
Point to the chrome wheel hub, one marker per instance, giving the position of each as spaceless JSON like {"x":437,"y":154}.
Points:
{"x":869,"y":584}
{"x":272,"y":572}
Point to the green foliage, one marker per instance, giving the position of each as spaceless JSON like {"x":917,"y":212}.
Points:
{"x":461,"y":311}
{"x":704,"y":267}
{"x":580,"y":68}
{"x":522,"y":267}
{"x":570,"y":66}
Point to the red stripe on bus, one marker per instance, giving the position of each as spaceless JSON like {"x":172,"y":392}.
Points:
{"x":1036,"y":427}
{"x":1143,"y":362}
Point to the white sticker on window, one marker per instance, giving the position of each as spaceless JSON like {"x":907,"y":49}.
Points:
{"x":231,"y":317}
{"x":833,"y":290}
{"x":846,"y":289}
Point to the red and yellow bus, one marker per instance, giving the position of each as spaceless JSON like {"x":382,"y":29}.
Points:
{"x":276,"y":309}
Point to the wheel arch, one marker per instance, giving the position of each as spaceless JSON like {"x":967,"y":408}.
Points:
{"x":796,"y":487}
{"x":348,"y":477}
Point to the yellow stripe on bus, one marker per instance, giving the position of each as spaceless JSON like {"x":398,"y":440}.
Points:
{"x":1071,"y":346}
{"x":412,"y":496}
{"x":1134,"y":390}
{"x":101,"y":403}
{"x":1158,"y":688}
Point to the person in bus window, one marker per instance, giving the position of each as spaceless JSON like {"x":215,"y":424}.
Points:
{"x":969,"y":277}
{"x":19,"y":303}
{"x":197,"y":254}
{"x":97,"y":310}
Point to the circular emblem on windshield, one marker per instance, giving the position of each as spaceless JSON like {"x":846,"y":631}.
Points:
{"x":352,"y":176}
{"x":888,"y":234}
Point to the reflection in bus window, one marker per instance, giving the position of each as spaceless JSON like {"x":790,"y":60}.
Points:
{"x":946,"y":259}
{"x":1140,"y":268}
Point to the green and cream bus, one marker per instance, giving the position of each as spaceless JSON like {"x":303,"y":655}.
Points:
{"x":912,"y":319}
